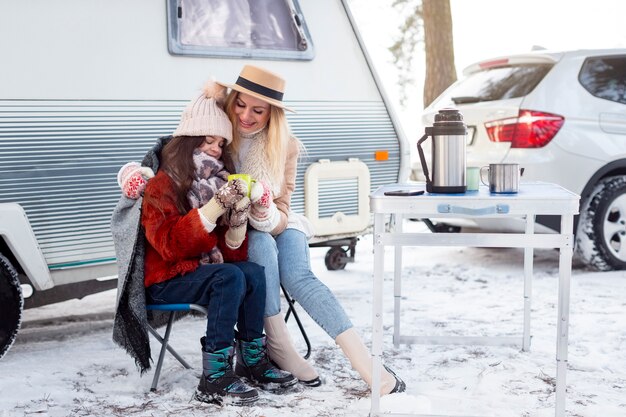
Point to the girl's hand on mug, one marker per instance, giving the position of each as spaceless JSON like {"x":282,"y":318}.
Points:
{"x":231,"y":193}
{"x":238,"y":214}
{"x":225,"y":198}
{"x":237,"y":223}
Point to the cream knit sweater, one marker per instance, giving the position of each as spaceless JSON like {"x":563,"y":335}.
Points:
{"x":252,"y":161}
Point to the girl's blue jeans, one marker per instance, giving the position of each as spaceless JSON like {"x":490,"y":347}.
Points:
{"x":286,"y":260}
{"x":233,"y":293}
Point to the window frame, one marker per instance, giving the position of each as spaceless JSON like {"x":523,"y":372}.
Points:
{"x":177,"y":48}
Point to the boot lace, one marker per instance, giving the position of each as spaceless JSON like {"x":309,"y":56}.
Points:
{"x":226,"y":377}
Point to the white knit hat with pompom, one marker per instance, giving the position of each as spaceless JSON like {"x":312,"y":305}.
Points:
{"x":204,"y":115}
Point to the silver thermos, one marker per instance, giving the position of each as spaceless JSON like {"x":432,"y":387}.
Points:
{"x":448,"y":153}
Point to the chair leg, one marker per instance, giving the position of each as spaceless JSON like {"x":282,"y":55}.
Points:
{"x":165,"y":346}
{"x":290,"y":310}
{"x":170,"y":349}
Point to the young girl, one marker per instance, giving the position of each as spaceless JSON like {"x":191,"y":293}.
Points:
{"x":264,"y":147}
{"x":187,"y":245}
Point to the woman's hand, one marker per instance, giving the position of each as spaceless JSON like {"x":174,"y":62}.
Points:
{"x":260,"y":194}
{"x":264,"y":214}
{"x":261,"y":198}
{"x":133,"y":178}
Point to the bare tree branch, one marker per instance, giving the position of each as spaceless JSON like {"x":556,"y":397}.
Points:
{"x":427,"y":23}
{"x":405,"y":46}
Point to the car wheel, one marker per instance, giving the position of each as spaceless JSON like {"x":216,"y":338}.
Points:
{"x":336,"y":259}
{"x":601,"y":235}
{"x":11,"y":305}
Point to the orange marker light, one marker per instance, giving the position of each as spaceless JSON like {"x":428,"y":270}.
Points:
{"x":381,"y":155}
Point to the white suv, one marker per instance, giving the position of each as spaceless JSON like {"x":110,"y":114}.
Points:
{"x":562,"y":116}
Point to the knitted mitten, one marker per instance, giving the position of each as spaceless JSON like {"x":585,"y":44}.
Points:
{"x":264,"y":215}
{"x":226,"y":197}
{"x":237,"y":223}
{"x":260,"y":194}
{"x":215,"y":256}
{"x":133,"y":178}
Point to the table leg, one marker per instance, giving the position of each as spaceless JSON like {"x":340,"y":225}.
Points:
{"x":397,"y":283}
{"x":565,"y":272}
{"x":377,"y":308}
{"x":528,"y":283}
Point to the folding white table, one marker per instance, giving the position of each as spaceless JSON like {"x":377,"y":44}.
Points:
{"x":533,"y":199}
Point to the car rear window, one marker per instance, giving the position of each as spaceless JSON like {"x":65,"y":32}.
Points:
{"x":605,"y":77}
{"x":498,"y":83}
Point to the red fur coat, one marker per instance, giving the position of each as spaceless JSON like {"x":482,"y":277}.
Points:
{"x":174,"y":241}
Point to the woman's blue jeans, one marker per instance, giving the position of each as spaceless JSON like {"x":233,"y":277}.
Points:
{"x":286,"y":260}
{"x":233,"y":293}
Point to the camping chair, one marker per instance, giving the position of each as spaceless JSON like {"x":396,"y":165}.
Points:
{"x":173,"y":308}
{"x":290,"y":310}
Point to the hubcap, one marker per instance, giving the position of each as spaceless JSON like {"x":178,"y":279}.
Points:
{"x":614,"y":228}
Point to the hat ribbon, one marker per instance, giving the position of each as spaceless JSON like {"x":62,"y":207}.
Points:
{"x":259,"y":89}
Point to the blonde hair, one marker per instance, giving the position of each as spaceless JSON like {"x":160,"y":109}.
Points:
{"x":278,"y":135}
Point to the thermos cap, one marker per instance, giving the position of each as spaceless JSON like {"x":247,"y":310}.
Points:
{"x":449,"y":115}
{"x":448,"y":122}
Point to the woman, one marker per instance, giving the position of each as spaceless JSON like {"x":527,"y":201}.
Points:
{"x":264,"y":147}
{"x":185,"y":248}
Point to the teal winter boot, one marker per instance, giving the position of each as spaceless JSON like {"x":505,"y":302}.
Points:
{"x":254,"y":364}
{"x":219,"y":384}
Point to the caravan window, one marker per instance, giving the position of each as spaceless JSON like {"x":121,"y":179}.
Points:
{"x":238,"y":28}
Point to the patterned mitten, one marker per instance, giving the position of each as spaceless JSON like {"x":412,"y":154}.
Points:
{"x":237,"y":223}
{"x":226,"y":197}
{"x":215,"y":256}
{"x":261,"y":194}
{"x":264,"y":219}
{"x":133,"y":178}
{"x":264,"y":215}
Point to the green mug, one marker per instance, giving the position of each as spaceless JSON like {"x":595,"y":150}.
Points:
{"x":246,"y":178}
{"x":472,"y":178}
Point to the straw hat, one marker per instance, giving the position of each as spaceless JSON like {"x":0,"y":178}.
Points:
{"x":262,"y":84}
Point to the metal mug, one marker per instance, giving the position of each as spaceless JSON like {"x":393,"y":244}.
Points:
{"x":502,"y":178}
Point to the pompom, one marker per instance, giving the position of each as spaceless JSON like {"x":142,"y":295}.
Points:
{"x":215,"y":91}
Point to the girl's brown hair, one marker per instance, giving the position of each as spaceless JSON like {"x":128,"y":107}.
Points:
{"x":177,"y":162}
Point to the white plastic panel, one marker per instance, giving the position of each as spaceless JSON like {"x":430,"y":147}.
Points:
{"x":326,"y":181}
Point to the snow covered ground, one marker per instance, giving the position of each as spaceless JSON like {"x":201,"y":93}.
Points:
{"x":61,"y":367}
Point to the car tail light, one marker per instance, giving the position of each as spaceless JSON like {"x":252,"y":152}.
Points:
{"x":530,"y":129}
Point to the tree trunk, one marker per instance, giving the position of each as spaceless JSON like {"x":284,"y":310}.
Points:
{"x":440,"y":69}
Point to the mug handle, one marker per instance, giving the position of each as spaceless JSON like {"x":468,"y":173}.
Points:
{"x":481,"y":174}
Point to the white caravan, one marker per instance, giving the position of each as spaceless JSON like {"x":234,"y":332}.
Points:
{"x":87,"y":85}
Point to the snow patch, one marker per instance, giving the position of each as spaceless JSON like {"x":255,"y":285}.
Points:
{"x":446,"y":291}
{"x":395,"y":403}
